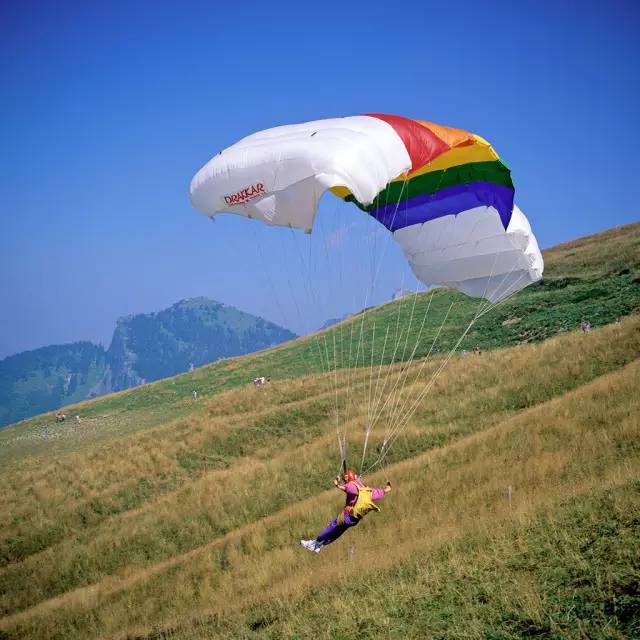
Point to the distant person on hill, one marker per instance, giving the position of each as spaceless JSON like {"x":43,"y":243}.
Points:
{"x":194,"y":395}
{"x":360,"y":500}
{"x":477,"y":350}
{"x":585,"y":326}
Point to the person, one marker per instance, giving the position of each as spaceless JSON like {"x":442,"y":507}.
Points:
{"x":194,"y":395}
{"x":585,"y":326}
{"x":477,"y":350}
{"x":360,"y":500}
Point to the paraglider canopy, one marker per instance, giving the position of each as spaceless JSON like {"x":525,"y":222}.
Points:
{"x":443,"y":192}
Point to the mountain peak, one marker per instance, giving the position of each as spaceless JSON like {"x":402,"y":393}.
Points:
{"x":198,"y":301}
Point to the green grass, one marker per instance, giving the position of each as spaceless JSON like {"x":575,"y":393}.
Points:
{"x":571,"y":573}
{"x":263,"y":437}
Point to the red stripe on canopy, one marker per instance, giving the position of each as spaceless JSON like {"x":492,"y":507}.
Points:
{"x":422,"y":144}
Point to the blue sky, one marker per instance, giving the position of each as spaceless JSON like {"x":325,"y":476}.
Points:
{"x":108,"y":109}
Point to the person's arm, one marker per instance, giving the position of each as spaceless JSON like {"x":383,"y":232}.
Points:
{"x":337,"y":484}
{"x":378,"y":494}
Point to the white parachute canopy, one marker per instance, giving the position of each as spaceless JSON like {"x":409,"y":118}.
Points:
{"x":444,"y":194}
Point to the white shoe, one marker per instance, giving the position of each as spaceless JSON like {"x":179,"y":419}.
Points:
{"x":311,"y":545}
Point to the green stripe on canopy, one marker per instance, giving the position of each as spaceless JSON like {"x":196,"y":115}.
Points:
{"x":432,"y":182}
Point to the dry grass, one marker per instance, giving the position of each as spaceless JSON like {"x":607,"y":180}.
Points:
{"x":541,"y":453}
{"x":617,"y":248}
{"x":192,"y":526}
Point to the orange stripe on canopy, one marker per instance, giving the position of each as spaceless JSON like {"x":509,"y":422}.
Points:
{"x":450,"y":135}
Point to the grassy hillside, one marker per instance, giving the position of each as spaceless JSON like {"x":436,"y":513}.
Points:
{"x":191,"y":527}
{"x":595,"y":278}
{"x":159,"y":517}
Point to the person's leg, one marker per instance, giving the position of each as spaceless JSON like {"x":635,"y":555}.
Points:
{"x":335,"y":529}
{"x":331,"y":532}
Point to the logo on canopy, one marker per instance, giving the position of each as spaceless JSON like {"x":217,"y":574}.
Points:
{"x":246,"y":194}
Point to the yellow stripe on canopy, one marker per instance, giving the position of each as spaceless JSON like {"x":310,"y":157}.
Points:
{"x":341,"y":192}
{"x":479,"y":151}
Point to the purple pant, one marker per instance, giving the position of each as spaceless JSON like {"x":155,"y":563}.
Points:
{"x":335,"y":529}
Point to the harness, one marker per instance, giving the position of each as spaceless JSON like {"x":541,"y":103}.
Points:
{"x":364,"y":504}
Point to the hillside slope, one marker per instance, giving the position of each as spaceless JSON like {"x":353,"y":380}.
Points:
{"x":595,"y":278}
{"x":513,"y":514}
{"x":190,"y":529}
